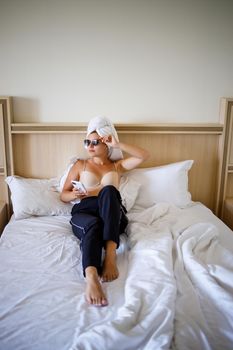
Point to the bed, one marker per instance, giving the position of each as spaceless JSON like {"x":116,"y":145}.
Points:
{"x":175,"y":288}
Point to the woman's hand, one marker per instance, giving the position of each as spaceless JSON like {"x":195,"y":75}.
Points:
{"x":79,"y":194}
{"x":92,"y":191}
{"x":111,"y":141}
{"x":137,"y":154}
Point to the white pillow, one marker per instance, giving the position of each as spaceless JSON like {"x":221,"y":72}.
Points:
{"x":35,"y":197}
{"x":129,"y":190}
{"x":168,"y":183}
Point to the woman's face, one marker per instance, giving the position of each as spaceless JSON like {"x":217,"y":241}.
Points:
{"x":94,"y":146}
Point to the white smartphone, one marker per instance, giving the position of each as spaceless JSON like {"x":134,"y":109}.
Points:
{"x":79,"y":186}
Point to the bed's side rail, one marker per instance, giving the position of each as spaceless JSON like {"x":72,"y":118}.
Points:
{"x":225,"y":196}
{"x":6,"y":154}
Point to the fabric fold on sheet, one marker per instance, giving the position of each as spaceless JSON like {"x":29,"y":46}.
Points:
{"x":104,"y":127}
{"x":150,"y":215}
{"x":204,"y":271}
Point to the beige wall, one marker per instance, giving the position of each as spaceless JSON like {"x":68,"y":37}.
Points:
{"x":133,"y":60}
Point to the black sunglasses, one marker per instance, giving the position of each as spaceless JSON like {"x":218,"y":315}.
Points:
{"x":87,"y":142}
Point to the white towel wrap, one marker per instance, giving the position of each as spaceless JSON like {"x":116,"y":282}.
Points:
{"x":104,"y":127}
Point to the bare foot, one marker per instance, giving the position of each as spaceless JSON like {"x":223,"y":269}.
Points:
{"x":110,"y":271}
{"x":94,"y":292}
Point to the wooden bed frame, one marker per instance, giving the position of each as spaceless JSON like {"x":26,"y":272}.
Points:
{"x":43,"y":150}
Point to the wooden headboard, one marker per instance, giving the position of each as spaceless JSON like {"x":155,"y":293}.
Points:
{"x":43,"y":150}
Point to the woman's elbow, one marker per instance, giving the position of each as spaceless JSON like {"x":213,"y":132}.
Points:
{"x":62,"y":197}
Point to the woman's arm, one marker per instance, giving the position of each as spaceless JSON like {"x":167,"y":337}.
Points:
{"x":69,"y":193}
{"x":137,"y":154}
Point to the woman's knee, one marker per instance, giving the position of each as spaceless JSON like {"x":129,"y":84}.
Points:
{"x":94,"y":226}
{"x":109,"y":190}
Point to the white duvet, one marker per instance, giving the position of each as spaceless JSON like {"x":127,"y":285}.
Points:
{"x":204,"y":308}
{"x":174,"y":290}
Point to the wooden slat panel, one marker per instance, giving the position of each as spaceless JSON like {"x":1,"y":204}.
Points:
{"x":44,"y":149}
{"x":47,"y":155}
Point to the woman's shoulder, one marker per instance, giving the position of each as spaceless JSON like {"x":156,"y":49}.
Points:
{"x":79,"y":164}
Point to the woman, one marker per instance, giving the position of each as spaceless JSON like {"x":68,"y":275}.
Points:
{"x":99,"y":218}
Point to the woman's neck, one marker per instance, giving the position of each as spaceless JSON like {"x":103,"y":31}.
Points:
{"x":101,"y":160}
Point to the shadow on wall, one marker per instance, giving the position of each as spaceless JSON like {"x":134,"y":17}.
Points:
{"x":26,"y":110}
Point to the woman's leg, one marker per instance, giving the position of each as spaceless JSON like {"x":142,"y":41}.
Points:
{"x":110,"y":271}
{"x":110,"y":212}
{"x":109,"y":202}
{"x":88,"y":228}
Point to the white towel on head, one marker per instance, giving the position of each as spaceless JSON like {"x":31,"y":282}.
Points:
{"x":104,"y":127}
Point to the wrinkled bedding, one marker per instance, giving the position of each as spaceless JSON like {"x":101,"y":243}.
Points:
{"x":175,"y":289}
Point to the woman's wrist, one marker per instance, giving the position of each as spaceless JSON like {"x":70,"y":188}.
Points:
{"x":68,"y":196}
{"x":117,"y":145}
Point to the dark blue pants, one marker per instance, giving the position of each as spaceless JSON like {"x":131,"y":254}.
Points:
{"x":96,"y":220}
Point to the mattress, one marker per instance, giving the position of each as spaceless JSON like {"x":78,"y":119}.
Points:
{"x":174,"y":291}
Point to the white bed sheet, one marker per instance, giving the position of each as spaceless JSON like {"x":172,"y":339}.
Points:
{"x":204,"y":272}
{"x":156,"y":303}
